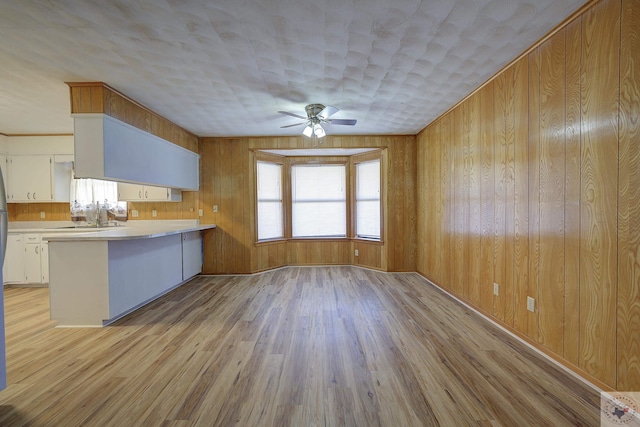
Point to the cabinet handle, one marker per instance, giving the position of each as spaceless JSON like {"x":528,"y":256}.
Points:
{"x":36,"y":248}
{"x":28,"y":196}
{"x":140,"y":194}
{"x":146,"y":194}
{"x":34,"y":196}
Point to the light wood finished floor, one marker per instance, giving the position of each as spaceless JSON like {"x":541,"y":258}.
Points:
{"x":292,"y":347}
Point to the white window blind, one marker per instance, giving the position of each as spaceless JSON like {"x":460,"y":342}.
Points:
{"x":368,"y":199}
{"x":318,"y":201}
{"x":269,"y":184}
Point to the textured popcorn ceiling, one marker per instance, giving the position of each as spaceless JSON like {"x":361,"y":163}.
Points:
{"x":224,"y":68}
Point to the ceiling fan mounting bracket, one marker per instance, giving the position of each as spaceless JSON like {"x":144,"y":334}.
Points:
{"x":313,"y":110}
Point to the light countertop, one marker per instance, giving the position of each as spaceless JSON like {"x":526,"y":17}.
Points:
{"x":132,"y":230}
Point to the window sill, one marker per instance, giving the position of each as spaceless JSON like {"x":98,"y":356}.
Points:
{"x":318,"y":239}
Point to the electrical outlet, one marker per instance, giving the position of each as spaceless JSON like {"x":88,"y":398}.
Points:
{"x":134,"y":213}
{"x":154,"y":213}
{"x":356,"y":252}
{"x":200,"y":212}
{"x":496,"y":289}
{"x":215,"y":208}
{"x":42,"y":214}
{"x":531,"y":304}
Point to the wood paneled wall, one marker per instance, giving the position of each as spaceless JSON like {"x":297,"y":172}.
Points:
{"x":97,"y":97}
{"x":31,"y":211}
{"x":228,"y":180}
{"x":533,"y":183}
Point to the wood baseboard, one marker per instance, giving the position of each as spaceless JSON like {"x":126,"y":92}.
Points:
{"x":558,"y":360}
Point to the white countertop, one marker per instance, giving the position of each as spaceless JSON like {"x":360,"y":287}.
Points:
{"x":53,"y":232}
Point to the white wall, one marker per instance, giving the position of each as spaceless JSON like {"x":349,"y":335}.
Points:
{"x":36,"y":144}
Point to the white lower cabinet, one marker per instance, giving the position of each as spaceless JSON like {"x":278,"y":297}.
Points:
{"x":13,"y":269}
{"x":27,"y":259}
{"x":191,"y":254}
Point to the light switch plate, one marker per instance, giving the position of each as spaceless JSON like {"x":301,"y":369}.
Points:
{"x":154,"y":213}
{"x":496,"y":289}
{"x":357,"y":252}
{"x":215,"y":208}
{"x":200,"y":212}
{"x":134,"y":213}
{"x":531,"y":304}
{"x":42,"y":215}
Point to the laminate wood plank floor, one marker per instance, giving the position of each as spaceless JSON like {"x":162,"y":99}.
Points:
{"x":299,"y":346}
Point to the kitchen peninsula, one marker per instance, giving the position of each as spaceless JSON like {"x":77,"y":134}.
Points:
{"x":99,"y":276}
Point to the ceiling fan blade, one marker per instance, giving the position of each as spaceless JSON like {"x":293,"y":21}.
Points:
{"x":348,"y":122}
{"x":293,"y":115}
{"x":327,"y":112}
{"x":295,"y":124}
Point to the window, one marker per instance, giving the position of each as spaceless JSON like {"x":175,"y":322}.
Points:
{"x":318,"y":200}
{"x":269,"y":191}
{"x":368,"y":199}
{"x":302,"y":196}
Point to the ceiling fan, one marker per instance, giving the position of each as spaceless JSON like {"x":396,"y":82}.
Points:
{"x":316,"y":115}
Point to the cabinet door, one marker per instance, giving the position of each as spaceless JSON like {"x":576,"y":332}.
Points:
{"x":13,"y":270}
{"x":191,"y":254}
{"x":152,"y":193}
{"x":131,"y":192}
{"x":30,"y":178}
{"x":44,"y":261}
{"x":32,"y":267}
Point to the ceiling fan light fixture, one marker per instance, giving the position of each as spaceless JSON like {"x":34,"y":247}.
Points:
{"x":318,"y":130}
{"x":308,"y":131}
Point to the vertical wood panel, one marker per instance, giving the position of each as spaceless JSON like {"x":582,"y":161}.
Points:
{"x":628,"y":376}
{"x":423,"y":250}
{"x":534,"y":189}
{"x":552,"y":182}
{"x":598,"y":209}
{"x":499,"y":163}
{"x":459,"y":263}
{"x":475,"y":217}
{"x":521,"y":194}
{"x":448,"y":248}
{"x":572,"y":196}
{"x":438,"y":202}
{"x":509,"y":172}
{"x":487,"y":188}
{"x":464,"y":200}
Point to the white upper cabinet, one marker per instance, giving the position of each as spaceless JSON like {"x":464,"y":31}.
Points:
{"x":30,"y":178}
{"x":147,"y":193}
{"x":107,"y":148}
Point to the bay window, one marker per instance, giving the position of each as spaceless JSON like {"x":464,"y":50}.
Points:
{"x":316,"y":197}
